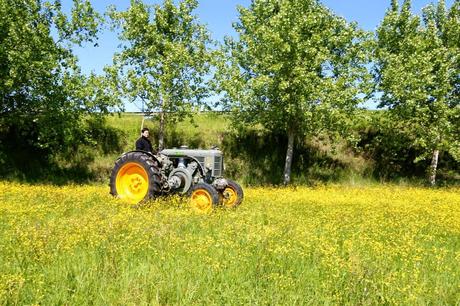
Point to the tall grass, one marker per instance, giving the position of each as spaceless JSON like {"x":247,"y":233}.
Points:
{"x":327,"y":245}
{"x":203,"y":131}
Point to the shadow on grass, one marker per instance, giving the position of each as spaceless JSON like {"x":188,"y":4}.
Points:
{"x":21,"y":161}
{"x":258,"y":157}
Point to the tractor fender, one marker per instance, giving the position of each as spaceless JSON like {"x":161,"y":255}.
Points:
{"x":145,"y":152}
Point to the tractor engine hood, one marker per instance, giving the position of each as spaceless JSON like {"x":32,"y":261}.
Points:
{"x":191,"y":152}
{"x":209,"y":159}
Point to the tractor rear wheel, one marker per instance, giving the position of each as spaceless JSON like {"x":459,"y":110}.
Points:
{"x":203,"y":198}
{"x":135,"y":178}
{"x":232,"y":196}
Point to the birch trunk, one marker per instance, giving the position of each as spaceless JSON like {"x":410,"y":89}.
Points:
{"x":434,"y":167}
{"x":289,"y":153}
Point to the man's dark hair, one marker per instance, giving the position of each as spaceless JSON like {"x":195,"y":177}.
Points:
{"x":144,"y":129}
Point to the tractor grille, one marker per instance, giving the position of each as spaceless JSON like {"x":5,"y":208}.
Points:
{"x":216,"y":165}
{"x":217,"y":171}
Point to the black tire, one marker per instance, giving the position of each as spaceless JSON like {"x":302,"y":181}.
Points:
{"x":206,"y":191}
{"x":236,"y":191}
{"x":144,"y":161}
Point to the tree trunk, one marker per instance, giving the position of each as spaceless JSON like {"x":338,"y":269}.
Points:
{"x":289,"y":153}
{"x":161,"y":133}
{"x":434,"y":167}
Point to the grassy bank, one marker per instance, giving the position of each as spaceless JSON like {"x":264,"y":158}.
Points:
{"x":252,"y":156}
{"x":376,"y":245}
{"x":206,"y":130}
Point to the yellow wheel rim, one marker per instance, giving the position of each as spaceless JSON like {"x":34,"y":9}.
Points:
{"x":132,"y":183}
{"x":201,"y":201}
{"x":230,"y":197}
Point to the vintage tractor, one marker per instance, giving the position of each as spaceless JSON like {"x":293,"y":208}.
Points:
{"x":138,"y":176}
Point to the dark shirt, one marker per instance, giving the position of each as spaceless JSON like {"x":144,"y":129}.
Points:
{"x":144,"y":144}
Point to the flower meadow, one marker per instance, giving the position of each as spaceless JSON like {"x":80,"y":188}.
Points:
{"x":77,"y":245}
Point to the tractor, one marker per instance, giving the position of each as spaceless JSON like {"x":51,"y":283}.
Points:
{"x":138,"y":176}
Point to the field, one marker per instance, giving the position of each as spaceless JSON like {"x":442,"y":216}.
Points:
{"x":76,"y":245}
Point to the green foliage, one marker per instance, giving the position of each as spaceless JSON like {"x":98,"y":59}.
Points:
{"x":253,"y":156}
{"x":256,"y":157}
{"x":82,"y":161}
{"x":418,"y":72}
{"x":294,"y":63}
{"x":165,"y":56}
{"x":45,"y":100}
{"x":296,"y":68}
{"x":391,"y":152}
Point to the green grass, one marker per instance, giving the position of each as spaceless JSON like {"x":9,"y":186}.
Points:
{"x":76,"y":245}
{"x":205,"y":130}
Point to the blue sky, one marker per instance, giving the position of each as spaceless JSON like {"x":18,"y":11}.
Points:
{"x":219,"y":16}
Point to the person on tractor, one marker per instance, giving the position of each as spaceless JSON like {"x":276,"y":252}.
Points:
{"x":143,"y":143}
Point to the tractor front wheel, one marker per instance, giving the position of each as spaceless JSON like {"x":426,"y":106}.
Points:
{"x":135,"y":178}
{"x":203,"y":198}
{"x":232,"y":196}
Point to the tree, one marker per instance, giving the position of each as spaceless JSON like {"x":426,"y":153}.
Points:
{"x":295,"y":68}
{"x":417,"y":69}
{"x":44,"y":99}
{"x":165,"y":58}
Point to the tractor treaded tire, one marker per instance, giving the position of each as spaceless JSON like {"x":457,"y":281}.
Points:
{"x":215,"y":198}
{"x":151,"y":167}
{"x":238,"y":190}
